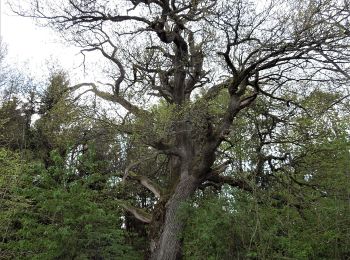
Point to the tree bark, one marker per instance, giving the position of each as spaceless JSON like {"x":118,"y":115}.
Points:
{"x":169,"y":243}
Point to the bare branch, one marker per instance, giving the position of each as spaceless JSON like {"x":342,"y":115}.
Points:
{"x":138,"y":213}
{"x":113,"y":98}
{"x":147,"y":183}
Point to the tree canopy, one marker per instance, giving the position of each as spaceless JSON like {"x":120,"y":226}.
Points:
{"x":222,"y":110}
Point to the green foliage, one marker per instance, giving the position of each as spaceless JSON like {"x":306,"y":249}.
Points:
{"x":208,"y":232}
{"x":65,"y":220}
{"x":263,"y":227}
{"x":12,"y":125}
{"x":11,"y":201}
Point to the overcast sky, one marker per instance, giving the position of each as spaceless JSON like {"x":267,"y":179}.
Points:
{"x":31,"y":47}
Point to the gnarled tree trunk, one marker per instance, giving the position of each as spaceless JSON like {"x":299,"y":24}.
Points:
{"x":169,"y":243}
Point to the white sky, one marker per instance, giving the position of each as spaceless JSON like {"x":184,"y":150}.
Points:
{"x":31,"y":48}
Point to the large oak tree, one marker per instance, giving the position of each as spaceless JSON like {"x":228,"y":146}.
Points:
{"x":192,"y":55}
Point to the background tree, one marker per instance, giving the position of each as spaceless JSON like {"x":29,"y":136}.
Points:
{"x":59,"y":124}
{"x":53,"y":189}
